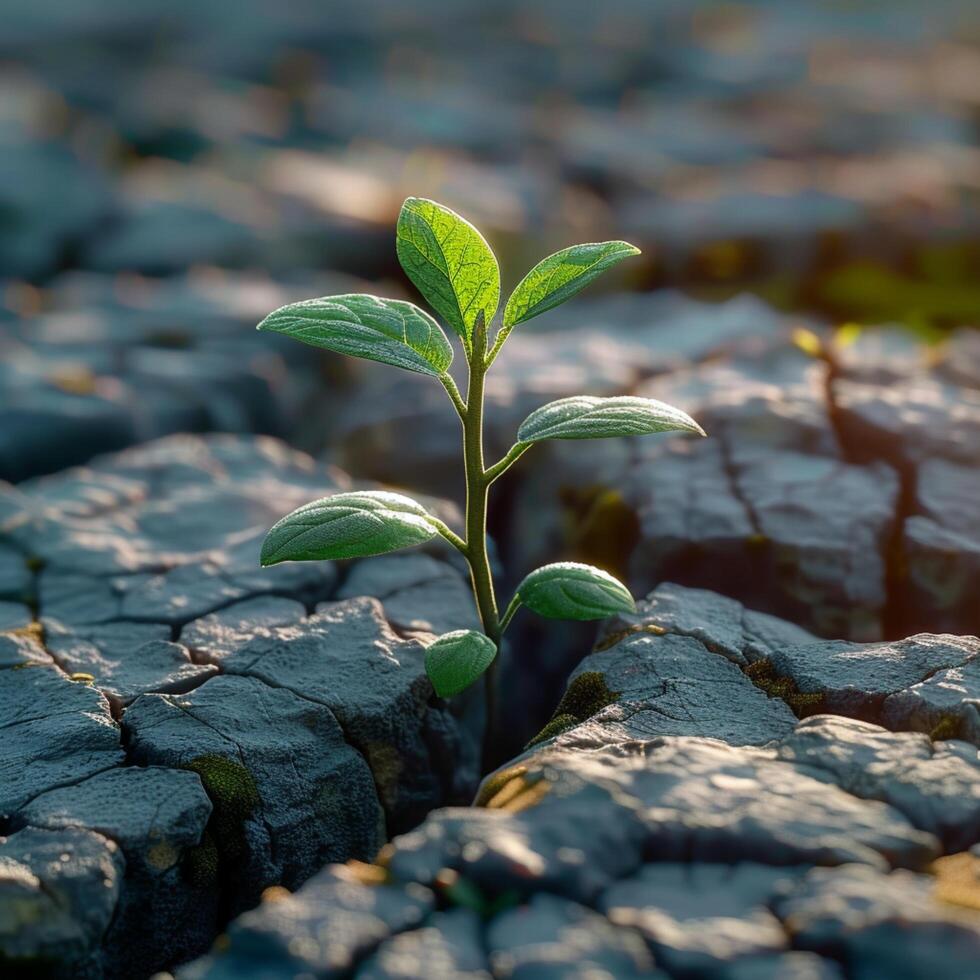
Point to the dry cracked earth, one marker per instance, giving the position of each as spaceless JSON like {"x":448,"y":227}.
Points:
{"x":210,"y":770}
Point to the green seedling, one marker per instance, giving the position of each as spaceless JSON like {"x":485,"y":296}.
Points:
{"x":455,"y":270}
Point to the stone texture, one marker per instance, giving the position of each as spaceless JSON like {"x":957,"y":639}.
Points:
{"x":941,"y":549}
{"x":449,"y":944}
{"x":552,"y":937}
{"x":56,"y":731}
{"x":106,"y":365}
{"x":946,"y":704}
{"x":290,"y":795}
{"x":921,"y":419}
{"x":158,"y":818}
{"x":348,"y":658}
{"x":701,"y":917}
{"x":935,"y":784}
{"x":671,"y":685}
{"x":858,"y":679}
{"x":177,"y":699}
{"x":855,"y":913}
{"x":128,"y":659}
{"x":419,"y":594}
{"x":58,"y":893}
{"x":721,"y":624}
{"x":322,"y":930}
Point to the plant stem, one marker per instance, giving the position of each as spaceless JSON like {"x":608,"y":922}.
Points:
{"x":513,"y":455}
{"x":477,"y":487}
{"x":454,"y":395}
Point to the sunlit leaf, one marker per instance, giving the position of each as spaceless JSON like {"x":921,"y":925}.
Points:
{"x":455,"y":660}
{"x":348,"y":525}
{"x":388,"y":330}
{"x":588,"y":417}
{"x":449,"y":262}
{"x":560,"y":276}
{"x":569,"y":590}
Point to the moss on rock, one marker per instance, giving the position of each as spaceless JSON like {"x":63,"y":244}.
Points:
{"x":234,"y":796}
{"x":764,"y":676}
{"x":584,"y":697}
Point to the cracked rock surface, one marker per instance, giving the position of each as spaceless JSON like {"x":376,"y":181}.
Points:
{"x":104,"y":367}
{"x":648,"y":832}
{"x":189,"y":728}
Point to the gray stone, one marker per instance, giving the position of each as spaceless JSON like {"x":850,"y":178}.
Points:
{"x":55,"y":731}
{"x":552,"y":937}
{"x":960,"y":357}
{"x":15,"y":576}
{"x":880,"y":925}
{"x":122,"y":663}
{"x":214,"y":636}
{"x":713,"y":801}
{"x":722,"y":625}
{"x":158,"y":818}
{"x":882,"y":355}
{"x":58,"y":894}
{"x":347,"y":658}
{"x":533,"y":849}
{"x":768,"y":531}
{"x":935,"y":784}
{"x":290,"y":795}
{"x":771,"y":397}
{"x":855,"y":679}
{"x":159,"y":237}
{"x":673,"y":685}
{"x":14,"y":616}
{"x":322,"y":930}
{"x":946,"y":704}
{"x":920,"y":419}
{"x":449,"y":944}
{"x":941,"y":550}
{"x":700,"y":917}
{"x":419,"y":594}
{"x":782,"y":966}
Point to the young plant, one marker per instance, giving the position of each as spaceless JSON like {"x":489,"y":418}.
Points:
{"x":454,"y":269}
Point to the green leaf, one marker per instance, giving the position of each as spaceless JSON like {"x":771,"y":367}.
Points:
{"x":348,"y":525}
{"x":455,"y":660}
{"x":449,"y":262}
{"x":588,"y":417}
{"x":387,"y":330}
{"x":560,"y":276}
{"x":569,"y":590}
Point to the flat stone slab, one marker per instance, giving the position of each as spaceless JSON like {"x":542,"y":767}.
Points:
{"x":449,"y":944}
{"x":55,"y":730}
{"x":859,"y":679}
{"x":935,"y":784}
{"x":666,"y":685}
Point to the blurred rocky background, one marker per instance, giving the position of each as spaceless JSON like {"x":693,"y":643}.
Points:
{"x":804,"y":181}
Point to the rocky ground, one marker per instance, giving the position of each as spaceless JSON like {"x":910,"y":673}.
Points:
{"x":184,"y":729}
{"x":771,"y":770}
{"x":676,"y":818}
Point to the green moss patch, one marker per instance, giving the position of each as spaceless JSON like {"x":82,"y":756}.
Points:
{"x":585,"y":696}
